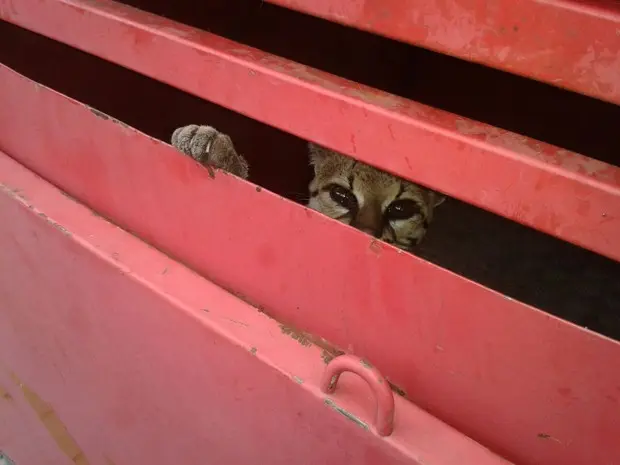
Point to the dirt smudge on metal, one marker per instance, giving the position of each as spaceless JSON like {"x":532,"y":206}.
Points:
{"x":348,"y":415}
{"x":53,"y":424}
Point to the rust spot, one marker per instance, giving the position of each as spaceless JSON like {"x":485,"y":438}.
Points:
{"x":366,"y":364}
{"x":253,"y":350}
{"x":55,"y":427}
{"x":348,"y":415}
{"x":258,"y":189}
{"x":298,"y":380}
{"x":299,"y":336}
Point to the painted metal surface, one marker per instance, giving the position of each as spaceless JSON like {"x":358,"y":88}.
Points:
{"x":534,"y":388}
{"x":559,"y":192}
{"x":113,"y":353}
{"x":566,"y":43}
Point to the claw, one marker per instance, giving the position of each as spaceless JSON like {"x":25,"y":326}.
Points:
{"x":208,"y":146}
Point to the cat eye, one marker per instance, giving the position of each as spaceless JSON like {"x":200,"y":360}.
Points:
{"x":343,"y":196}
{"x":402,"y":209}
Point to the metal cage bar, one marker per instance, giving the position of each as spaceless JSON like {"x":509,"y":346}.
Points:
{"x":550,"y":41}
{"x":555,"y":191}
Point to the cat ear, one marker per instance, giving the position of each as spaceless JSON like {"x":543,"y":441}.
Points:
{"x":318,"y":155}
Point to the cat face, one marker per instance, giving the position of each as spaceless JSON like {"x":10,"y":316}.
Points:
{"x":384,"y":206}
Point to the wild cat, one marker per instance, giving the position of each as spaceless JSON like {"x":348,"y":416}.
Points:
{"x":387,"y":207}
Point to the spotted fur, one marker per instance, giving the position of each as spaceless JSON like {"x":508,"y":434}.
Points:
{"x":385,"y":206}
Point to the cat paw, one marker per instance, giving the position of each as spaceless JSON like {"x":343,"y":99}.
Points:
{"x":208,"y":146}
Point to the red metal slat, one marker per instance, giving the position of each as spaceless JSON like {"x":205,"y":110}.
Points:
{"x":553,"y":190}
{"x":113,"y":353}
{"x":532,"y":387}
{"x":569,"y":44}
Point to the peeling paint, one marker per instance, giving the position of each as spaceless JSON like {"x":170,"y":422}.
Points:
{"x":397,"y":389}
{"x":327,"y":356}
{"x":53,"y":424}
{"x":99,"y":114}
{"x":299,"y":336}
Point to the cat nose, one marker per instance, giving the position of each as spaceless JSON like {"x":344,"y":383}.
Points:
{"x":368,"y":220}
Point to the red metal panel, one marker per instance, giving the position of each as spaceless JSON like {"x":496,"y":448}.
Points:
{"x":112,"y":353}
{"x":566,"y":43}
{"x":553,"y":190}
{"x":534,"y":388}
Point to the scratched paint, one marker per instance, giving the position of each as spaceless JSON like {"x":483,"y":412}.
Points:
{"x":348,"y":415}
